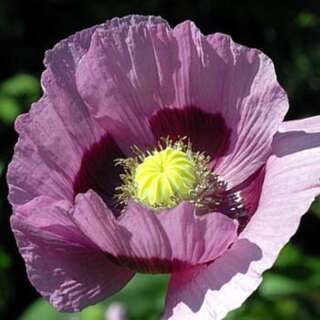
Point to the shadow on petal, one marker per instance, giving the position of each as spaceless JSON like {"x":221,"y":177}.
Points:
{"x":188,"y":291}
{"x":286,"y":143}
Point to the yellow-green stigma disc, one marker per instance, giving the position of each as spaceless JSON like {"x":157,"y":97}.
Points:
{"x":165,"y":178}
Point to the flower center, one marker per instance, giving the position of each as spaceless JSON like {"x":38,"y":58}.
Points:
{"x":165,"y":176}
{"x":169,"y":174}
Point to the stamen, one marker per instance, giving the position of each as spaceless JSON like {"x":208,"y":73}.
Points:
{"x":172,"y":173}
{"x":164,"y":177}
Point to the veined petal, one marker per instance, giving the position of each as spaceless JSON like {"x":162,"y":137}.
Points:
{"x":58,"y":124}
{"x":111,"y":82}
{"x":132,"y":66}
{"x":181,"y":68}
{"x":231,"y":82}
{"x":291,"y":183}
{"x":223,"y":77}
{"x":254,"y":106}
{"x":64,"y":266}
{"x":148,"y":241}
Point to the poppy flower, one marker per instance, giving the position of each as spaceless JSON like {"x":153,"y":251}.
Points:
{"x":158,"y":150}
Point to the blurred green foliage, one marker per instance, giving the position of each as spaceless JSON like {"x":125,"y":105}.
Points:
{"x":5,"y":285}
{"x":315,"y":208}
{"x":288,"y":31}
{"x":143,"y":298}
{"x":16,"y":95}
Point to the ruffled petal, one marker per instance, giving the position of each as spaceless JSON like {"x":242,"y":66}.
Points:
{"x":58,"y":82}
{"x":64,"y":266}
{"x":234,"y":83}
{"x":45,"y":158}
{"x":291,"y":184}
{"x":148,"y":241}
{"x":125,"y":76}
{"x":238,"y":83}
{"x":143,"y":66}
{"x":56,"y":131}
{"x":241,"y":88}
{"x":58,"y":124}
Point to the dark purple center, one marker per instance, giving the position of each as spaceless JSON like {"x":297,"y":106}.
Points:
{"x":98,"y":172}
{"x":207,"y":132}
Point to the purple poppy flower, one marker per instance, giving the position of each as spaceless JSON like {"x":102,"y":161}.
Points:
{"x":158,"y":150}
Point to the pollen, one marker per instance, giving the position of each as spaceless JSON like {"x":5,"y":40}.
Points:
{"x":165,"y":176}
{"x":170,"y":173}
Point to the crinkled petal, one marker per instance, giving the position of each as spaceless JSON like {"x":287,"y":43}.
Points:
{"x":45,"y":160}
{"x":125,"y":76}
{"x":140,"y":66}
{"x":58,"y":124}
{"x":239,"y":83}
{"x":144,"y":66}
{"x":148,"y":241}
{"x":291,"y":184}
{"x":58,"y":82}
{"x":64,"y":266}
{"x":252,"y":102}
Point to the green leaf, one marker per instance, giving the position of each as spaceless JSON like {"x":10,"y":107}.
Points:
{"x":9,"y":109}
{"x":307,"y":19}
{"x":93,"y":313}
{"x":313,"y":264}
{"x":42,"y":310}
{"x":286,"y":308}
{"x":315,"y":207}
{"x":276,"y":285}
{"x":5,"y":260}
{"x":290,"y":255}
{"x":21,"y":85}
{"x":2,"y":166}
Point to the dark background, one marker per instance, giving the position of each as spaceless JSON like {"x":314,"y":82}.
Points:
{"x":287,"y":31}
